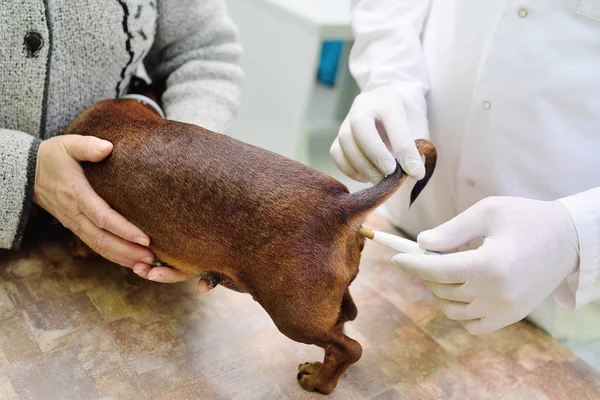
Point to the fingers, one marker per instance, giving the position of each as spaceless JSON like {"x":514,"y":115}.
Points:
{"x":142,"y":270}
{"x":104,"y":217}
{"x":456,"y":268}
{"x":453,"y":292}
{"x":109,"y":246}
{"x":160,"y":274}
{"x":355,"y":157}
{"x":467,"y":226}
{"x":482,"y":325}
{"x":339,"y":159}
{"x":460,"y":311}
{"x":399,"y":134}
{"x":125,"y":253}
{"x":86,"y":148}
{"x":362,"y":142}
{"x":370,"y":143}
{"x":167,"y":275}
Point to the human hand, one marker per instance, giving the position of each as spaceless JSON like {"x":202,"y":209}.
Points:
{"x":529,"y":248}
{"x":62,"y":189}
{"x":381,"y":128}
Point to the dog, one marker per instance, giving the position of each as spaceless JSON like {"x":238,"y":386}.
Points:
{"x":244,"y":218}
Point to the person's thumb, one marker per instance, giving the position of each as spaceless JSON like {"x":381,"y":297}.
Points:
{"x":87,"y":148}
{"x":460,"y":230}
{"x":402,"y":143}
{"x":204,"y":286}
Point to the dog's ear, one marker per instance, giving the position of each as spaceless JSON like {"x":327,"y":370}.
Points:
{"x":362,"y":202}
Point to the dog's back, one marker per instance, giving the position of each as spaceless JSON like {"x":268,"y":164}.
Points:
{"x":207,"y":201}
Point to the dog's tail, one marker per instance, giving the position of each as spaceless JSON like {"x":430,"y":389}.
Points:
{"x":368,"y":199}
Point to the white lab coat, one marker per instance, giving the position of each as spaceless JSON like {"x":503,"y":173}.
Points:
{"x":513,"y":101}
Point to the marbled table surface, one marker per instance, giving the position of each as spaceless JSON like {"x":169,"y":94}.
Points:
{"x":91,"y":330}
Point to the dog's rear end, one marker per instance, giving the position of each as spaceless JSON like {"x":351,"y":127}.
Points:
{"x":243,"y":217}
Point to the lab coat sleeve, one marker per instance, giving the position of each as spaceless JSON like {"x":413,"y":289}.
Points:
{"x":387,"y":47}
{"x":18,"y":157}
{"x":583,"y":286}
{"x":195,"y":58}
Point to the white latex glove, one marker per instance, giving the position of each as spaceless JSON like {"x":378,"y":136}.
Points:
{"x":529,"y":248}
{"x":381,"y":128}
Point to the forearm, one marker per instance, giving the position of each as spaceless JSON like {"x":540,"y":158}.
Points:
{"x":387,"y":48}
{"x":196,"y":55}
{"x":583,"y":286}
{"x":18,"y":155}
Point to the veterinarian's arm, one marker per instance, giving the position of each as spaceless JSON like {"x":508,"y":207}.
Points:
{"x":387,"y":62}
{"x":531,"y":249}
{"x":583,"y":286}
{"x":196,"y":55}
{"x":18,"y":153}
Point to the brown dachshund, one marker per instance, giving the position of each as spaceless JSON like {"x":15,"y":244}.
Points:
{"x":243,"y":217}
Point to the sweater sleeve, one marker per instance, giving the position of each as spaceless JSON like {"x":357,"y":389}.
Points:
{"x":583,"y":286}
{"x":195,"y":56}
{"x":18,"y":156}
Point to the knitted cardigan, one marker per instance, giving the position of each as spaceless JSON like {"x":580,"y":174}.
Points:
{"x":89,"y":50}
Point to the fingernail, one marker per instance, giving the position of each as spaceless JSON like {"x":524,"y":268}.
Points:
{"x":375,"y":178}
{"x":395,"y":263}
{"x":101,"y":148}
{"x":156,"y":278}
{"x":143,"y":241}
{"x":426,"y":237}
{"x":139,"y":269}
{"x":148,"y":260}
{"x":415,"y":168}
{"x":388,"y":167}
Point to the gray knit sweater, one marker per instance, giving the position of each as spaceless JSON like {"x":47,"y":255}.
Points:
{"x":59,"y":57}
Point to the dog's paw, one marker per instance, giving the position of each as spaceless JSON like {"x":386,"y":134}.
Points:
{"x":308,"y":368}
{"x":309,"y":378}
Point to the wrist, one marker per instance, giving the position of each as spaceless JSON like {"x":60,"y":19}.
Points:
{"x":36,"y":174}
{"x":569,"y":236}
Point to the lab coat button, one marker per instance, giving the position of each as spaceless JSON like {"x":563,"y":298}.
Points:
{"x":471,"y":182}
{"x":523,"y":13}
{"x":487,"y":105}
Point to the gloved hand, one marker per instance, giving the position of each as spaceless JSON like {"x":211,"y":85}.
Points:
{"x":381,"y":128}
{"x":529,"y":248}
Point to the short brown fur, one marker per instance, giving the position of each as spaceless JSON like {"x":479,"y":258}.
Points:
{"x":244,"y":217}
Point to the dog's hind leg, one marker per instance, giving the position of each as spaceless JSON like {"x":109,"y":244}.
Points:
{"x":348,"y":310}
{"x":340,"y":353}
{"x":313,"y":319}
